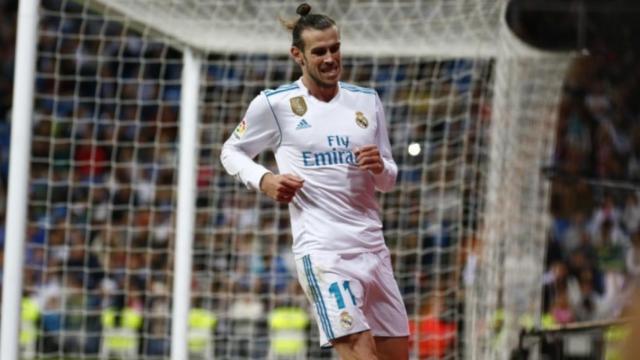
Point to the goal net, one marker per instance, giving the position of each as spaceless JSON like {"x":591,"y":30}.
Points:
{"x":471,"y":122}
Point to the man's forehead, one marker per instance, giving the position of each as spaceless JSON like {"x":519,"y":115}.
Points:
{"x":320,"y":38}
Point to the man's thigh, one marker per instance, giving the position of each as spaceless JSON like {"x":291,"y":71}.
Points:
{"x":336,"y":295}
{"x":392,"y":348}
{"x":384,"y":305}
{"x":356,"y":346}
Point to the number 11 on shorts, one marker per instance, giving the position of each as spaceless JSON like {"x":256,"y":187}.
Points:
{"x":334,"y":289}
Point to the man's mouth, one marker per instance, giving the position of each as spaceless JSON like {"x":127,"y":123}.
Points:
{"x":330,"y":70}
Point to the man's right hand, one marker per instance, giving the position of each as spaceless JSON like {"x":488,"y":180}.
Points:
{"x":281,"y":188}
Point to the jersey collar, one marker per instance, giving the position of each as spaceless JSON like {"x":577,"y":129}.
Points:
{"x":306,"y":92}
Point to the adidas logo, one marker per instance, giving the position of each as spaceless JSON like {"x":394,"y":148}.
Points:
{"x":303,"y":124}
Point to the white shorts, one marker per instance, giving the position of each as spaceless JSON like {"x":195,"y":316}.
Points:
{"x":351,"y":293}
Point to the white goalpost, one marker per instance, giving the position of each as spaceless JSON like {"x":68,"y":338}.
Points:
{"x":18,"y":179}
{"x":185,"y":221}
{"x":138,"y":245}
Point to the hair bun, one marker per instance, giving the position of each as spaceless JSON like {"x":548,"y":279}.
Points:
{"x":303,"y":9}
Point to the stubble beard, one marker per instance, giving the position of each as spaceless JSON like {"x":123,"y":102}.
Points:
{"x":315,"y":77}
{"x":321,"y":83}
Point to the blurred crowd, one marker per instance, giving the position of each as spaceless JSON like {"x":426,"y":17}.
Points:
{"x":102,"y":191}
{"x":593,"y":256}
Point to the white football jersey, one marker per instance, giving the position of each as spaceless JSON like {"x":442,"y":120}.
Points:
{"x":336,"y":209}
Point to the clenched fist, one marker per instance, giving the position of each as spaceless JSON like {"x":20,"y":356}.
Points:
{"x":281,"y":188}
{"x":368,"y":158}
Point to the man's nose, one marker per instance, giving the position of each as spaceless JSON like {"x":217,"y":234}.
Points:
{"x":328,"y":57}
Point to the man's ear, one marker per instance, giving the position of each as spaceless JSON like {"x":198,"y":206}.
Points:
{"x":296,"y":54}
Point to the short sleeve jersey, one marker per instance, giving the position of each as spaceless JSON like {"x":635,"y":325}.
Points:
{"x":336,"y":209}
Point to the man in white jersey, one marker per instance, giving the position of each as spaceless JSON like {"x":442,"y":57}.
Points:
{"x":332,"y":149}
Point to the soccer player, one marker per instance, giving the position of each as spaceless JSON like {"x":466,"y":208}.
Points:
{"x":332,"y":150}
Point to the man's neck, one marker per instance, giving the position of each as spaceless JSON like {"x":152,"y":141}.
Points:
{"x":319,"y":92}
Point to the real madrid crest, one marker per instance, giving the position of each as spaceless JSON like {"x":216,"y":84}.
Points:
{"x":346,"y":321}
{"x":361,"y":120}
{"x":298,"y":105}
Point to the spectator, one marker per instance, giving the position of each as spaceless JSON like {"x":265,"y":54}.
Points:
{"x":631,"y":213}
{"x":586,"y":304}
{"x":434,"y":335}
{"x":633,"y":258}
{"x":561,"y":309}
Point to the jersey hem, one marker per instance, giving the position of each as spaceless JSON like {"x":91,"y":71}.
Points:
{"x":300,"y":255}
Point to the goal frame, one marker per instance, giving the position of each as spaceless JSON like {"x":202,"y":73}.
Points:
{"x":18,"y":187}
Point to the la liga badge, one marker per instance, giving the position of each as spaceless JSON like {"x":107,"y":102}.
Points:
{"x":240,"y":129}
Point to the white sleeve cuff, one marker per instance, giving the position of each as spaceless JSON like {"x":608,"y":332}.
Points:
{"x":386,"y":180}
{"x":252,"y":175}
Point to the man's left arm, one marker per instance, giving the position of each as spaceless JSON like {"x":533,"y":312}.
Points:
{"x":377,"y":157}
{"x":386,"y":179}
